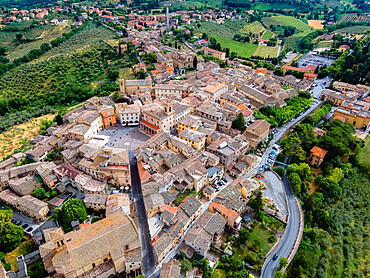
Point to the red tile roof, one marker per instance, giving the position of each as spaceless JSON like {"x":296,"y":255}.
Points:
{"x":340,"y":118}
{"x":310,"y":75}
{"x":319,"y":152}
{"x":308,"y":68}
{"x":150,"y":125}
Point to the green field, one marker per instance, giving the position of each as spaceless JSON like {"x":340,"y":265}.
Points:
{"x":227,"y":30}
{"x":354,"y":29}
{"x":283,"y":20}
{"x":266,"y":51}
{"x":292,"y":42}
{"x":264,"y":6}
{"x":242,"y":49}
{"x":365,"y":153}
{"x":325,"y":44}
{"x":267,"y":35}
{"x":260,"y":235}
{"x":255,"y":27}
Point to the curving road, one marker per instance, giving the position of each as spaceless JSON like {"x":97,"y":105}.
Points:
{"x":291,"y":231}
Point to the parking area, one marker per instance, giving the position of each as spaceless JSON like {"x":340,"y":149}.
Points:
{"x":27,"y":223}
{"x":124,"y":137}
{"x":275,"y":191}
{"x":315,"y":60}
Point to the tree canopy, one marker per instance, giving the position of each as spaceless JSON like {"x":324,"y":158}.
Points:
{"x":72,"y":210}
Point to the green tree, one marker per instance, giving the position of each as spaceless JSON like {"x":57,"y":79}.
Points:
{"x":72,"y":210}
{"x":5,"y":215}
{"x":280,"y":171}
{"x":10,"y":236}
{"x":278,"y":274}
{"x":283,"y":262}
{"x":58,"y":119}
{"x":185,"y":265}
{"x":195,"y":62}
{"x":36,"y":269}
{"x":239,"y":123}
{"x":295,"y":182}
{"x":39,"y":193}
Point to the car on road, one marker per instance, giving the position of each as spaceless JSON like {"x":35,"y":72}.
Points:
{"x":275,"y":257}
{"x":24,"y":226}
{"x":29,"y":229}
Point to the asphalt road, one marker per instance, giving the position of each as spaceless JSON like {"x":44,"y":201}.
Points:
{"x":148,"y":258}
{"x":289,"y":236}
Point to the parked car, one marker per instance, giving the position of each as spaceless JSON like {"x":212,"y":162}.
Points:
{"x":17,"y":222}
{"x":29,"y":229}
{"x":24,"y":226}
{"x":225,"y":180}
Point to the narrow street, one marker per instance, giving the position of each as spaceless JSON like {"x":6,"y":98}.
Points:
{"x":148,"y":258}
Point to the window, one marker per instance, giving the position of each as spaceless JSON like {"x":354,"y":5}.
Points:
{"x":105,"y":260}
{"x":93,"y":265}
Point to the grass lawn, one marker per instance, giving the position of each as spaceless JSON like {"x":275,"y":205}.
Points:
{"x":267,"y":35}
{"x":256,"y":247}
{"x":24,"y":248}
{"x":365,"y":153}
{"x":262,"y":234}
{"x":255,"y":27}
{"x":286,"y":21}
{"x":242,"y":49}
{"x":266,"y":51}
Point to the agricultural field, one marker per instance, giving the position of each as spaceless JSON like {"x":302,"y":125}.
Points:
{"x":354,"y":18}
{"x":89,"y":38}
{"x":354,"y":29}
{"x":292,"y":42}
{"x":283,"y":20}
{"x":227,"y":30}
{"x":40,"y":34}
{"x":13,"y":138}
{"x":316,"y":24}
{"x":245,"y":50}
{"x":213,"y":3}
{"x":266,"y":51}
{"x":264,"y":6}
{"x":267,"y":35}
{"x":255,"y":27}
{"x":188,"y":5}
{"x":325,"y":44}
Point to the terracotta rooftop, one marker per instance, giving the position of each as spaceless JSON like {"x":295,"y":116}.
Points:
{"x":316,"y":151}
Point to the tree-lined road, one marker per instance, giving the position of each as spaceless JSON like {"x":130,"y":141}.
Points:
{"x":290,"y":234}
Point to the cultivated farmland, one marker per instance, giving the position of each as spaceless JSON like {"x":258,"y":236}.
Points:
{"x":266,"y":51}
{"x":242,"y":49}
{"x":355,"y":18}
{"x":255,"y":27}
{"x":283,"y":20}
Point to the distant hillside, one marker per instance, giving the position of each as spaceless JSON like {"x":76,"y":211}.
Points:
{"x":25,"y":4}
